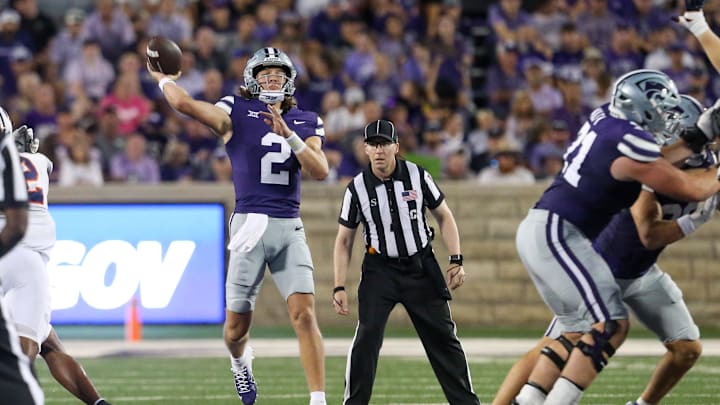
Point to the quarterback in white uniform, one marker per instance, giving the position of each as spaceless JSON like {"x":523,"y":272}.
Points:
{"x":25,"y":279}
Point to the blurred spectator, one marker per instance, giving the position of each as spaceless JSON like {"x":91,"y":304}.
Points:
{"x":456,"y":166}
{"x":90,"y":75}
{"x":131,"y":106}
{"x":192,"y":79}
{"x":416,"y":66}
{"x":322,"y":79}
{"x":168,"y":22}
{"x":198,"y":136}
{"x":660,"y":39}
{"x":81,"y":164}
{"x":220,"y":20}
{"x":324,"y":27}
{"x":398,"y":114}
{"x":432,"y":141}
{"x":545,"y":97}
{"x":593,"y":66}
{"x":213,"y":87}
{"x":553,"y":140}
{"x":176,"y":164}
{"x":67,"y":45}
{"x":383,"y":84}
{"x":222,"y":170}
{"x":10,"y":38}
{"x":572,"y":111}
{"x":359,"y":64}
{"x":570,"y":51}
{"x":244,"y":37}
{"x":678,"y":70}
{"x":392,"y":39}
{"x":267,"y":22}
{"x":42,"y":117}
{"x":133,"y":165}
{"x":522,"y":117}
{"x":234,"y":76}
{"x":504,"y":78}
{"x":645,"y":15}
{"x":509,"y":22}
{"x":27,"y":88}
{"x":506,"y":169}
{"x":453,"y":58}
{"x":549,"y":19}
{"x":623,"y":55}
{"x":111,"y":28}
{"x":597,"y":23}
{"x":207,"y":56}
{"x":453,"y":133}
{"x":21,"y":62}
{"x":37,"y":24}
{"x":486,"y":127}
{"x":700,"y":87}
{"x":353,"y":162}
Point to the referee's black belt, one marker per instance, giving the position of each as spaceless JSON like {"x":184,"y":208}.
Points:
{"x":399,"y":260}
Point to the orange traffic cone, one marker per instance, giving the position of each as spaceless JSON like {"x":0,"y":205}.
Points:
{"x":133,"y":324}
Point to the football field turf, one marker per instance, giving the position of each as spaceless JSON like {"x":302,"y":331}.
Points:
{"x":149,"y":380}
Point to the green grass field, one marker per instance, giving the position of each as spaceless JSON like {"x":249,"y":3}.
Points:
{"x":399,"y":381}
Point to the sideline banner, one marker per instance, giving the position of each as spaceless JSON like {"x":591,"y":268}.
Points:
{"x":170,"y":258}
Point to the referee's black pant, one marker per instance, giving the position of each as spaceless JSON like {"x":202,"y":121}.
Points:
{"x":384,"y":283}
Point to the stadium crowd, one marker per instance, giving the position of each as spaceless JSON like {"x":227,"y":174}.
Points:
{"x":79,"y":79}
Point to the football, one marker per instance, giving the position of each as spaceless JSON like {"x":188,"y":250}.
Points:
{"x":163,"y":55}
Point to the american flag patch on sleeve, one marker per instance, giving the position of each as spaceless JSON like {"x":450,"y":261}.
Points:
{"x":409,"y":195}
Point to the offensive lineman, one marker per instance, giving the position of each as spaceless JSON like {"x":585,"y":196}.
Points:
{"x":26,"y":282}
{"x":268,"y":140}
{"x":631,"y":244}
{"x":614,"y":154}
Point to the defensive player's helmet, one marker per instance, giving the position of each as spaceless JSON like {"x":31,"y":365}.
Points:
{"x":647,"y":98}
{"x":264,"y":58}
{"x":5,"y":124}
{"x":686,"y":114}
{"x":25,"y":140}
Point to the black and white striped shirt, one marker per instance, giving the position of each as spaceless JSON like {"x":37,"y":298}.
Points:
{"x":392,"y":211}
{"x":13,"y":188}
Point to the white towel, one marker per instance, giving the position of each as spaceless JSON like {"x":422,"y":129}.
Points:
{"x":249,"y":233}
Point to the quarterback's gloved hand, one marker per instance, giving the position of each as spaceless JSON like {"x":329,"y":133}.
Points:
{"x":23,"y":131}
{"x":691,"y":222}
{"x":705,"y":130}
{"x":694,"y":21}
{"x":694,"y":5}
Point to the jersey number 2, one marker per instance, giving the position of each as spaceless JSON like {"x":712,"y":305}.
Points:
{"x":267,"y":176}
{"x":571,"y":168}
{"x":35,"y":192}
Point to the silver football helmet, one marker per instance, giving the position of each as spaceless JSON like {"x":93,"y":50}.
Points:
{"x":25,"y":140}
{"x":646,"y":97}
{"x":268,"y":57}
{"x":686,"y":115}
{"x":6,"y":125}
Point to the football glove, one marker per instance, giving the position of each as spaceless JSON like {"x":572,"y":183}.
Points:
{"x":691,"y":222}
{"x":694,"y":21}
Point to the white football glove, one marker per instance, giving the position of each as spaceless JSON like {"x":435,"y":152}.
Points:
{"x":691,"y":222}
{"x":694,"y":21}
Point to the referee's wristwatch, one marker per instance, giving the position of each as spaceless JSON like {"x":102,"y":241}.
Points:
{"x":456,"y":259}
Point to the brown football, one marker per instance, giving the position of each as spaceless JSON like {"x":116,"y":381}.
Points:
{"x":163,"y":55}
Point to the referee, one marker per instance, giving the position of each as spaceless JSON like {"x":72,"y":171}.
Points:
{"x":399,"y":266}
{"x":17,"y":383}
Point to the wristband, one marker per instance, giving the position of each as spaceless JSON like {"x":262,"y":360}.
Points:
{"x":686,"y":224}
{"x":164,"y":81}
{"x":456,"y":259}
{"x":696,"y":22}
{"x":296,"y":144}
{"x":338,"y":288}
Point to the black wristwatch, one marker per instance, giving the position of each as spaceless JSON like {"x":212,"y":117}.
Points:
{"x":456,"y":259}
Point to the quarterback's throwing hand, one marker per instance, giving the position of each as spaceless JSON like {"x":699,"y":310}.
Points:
{"x":455,"y":276}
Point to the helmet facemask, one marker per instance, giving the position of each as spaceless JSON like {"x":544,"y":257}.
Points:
{"x":263,"y":59}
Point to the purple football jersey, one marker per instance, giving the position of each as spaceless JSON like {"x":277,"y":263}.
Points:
{"x":584,"y":192}
{"x":265,"y":171}
{"x":620,"y":245}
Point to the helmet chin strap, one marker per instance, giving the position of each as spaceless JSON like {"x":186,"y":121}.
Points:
{"x":271,"y":97}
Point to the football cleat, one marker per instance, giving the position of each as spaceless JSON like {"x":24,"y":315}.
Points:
{"x":245,"y":382}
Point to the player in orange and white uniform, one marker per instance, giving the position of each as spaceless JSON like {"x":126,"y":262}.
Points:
{"x":26,"y":281}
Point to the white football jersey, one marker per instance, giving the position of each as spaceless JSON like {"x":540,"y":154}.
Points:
{"x":40,"y":234}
